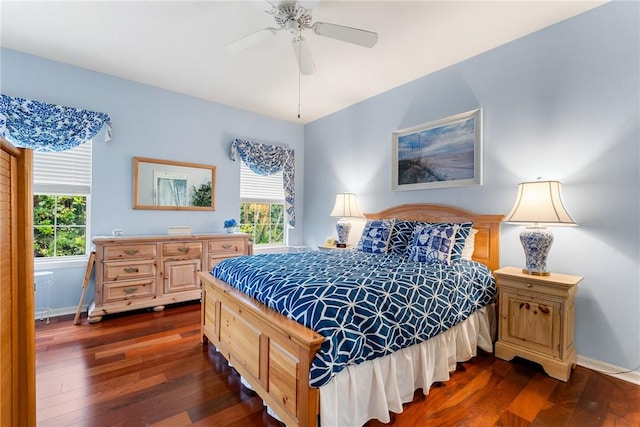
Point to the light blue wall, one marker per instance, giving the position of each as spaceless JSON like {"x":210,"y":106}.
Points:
{"x":147,"y":122}
{"x":563,"y":104}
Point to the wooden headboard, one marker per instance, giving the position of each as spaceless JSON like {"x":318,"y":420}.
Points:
{"x":487,"y":240}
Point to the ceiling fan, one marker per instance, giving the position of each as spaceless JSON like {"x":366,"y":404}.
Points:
{"x":294,"y":18}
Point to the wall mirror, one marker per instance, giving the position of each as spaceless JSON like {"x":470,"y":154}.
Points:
{"x":169,"y":185}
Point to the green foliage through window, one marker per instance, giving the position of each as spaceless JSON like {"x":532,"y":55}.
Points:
{"x":201,"y":195}
{"x":264,"y":222}
{"x":59,"y":225}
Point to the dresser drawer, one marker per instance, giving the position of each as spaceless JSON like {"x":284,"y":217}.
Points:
{"x":230,"y":246}
{"x":130,"y":251}
{"x":122,"y":270}
{"x":182,"y":249}
{"x":125,"y":290}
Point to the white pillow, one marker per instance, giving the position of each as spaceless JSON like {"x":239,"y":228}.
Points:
{"x":469,"y":245}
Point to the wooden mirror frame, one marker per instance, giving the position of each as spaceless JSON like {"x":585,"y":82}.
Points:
{"x":140,"y":174}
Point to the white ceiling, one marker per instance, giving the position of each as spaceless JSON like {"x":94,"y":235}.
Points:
{"x":179,"y":45}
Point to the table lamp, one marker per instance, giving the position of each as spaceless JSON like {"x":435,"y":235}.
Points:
{"x":538,"y":205}
{"x":345,"y":207}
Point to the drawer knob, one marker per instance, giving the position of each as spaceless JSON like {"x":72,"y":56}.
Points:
{"x":183,"y":249}
{"x":131,"y":270}
{"x":227,"y":246}
{"x":131,"y":251}
{"x":129,"y":291}
{"x":529,"y":285}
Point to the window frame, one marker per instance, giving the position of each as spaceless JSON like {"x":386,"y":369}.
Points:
{"x":255,"y":198}
{"x":53,"y":189}
{"x":285,"y":224}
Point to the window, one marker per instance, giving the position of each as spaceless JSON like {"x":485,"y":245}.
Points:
{"x":61,"y":191}
{"x":262,"y":212}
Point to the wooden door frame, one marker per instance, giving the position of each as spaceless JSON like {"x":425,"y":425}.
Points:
{"x":18,"y":348}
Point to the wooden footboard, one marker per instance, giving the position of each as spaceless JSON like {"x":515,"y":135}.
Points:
{"x":272,"y":352}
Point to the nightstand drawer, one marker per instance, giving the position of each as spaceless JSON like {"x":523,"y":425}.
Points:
{"x":525,"y":286}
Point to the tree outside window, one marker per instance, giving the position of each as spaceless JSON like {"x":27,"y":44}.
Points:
{"x":264,"y":222}
{"x":60,"y":225}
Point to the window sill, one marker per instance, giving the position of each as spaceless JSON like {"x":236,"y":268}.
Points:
{"x":41,"y":264}
{"x":279,"y":249}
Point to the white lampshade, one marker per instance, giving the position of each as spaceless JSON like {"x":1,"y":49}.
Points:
{"x":346,"y":206}
{"x":539,"y":202}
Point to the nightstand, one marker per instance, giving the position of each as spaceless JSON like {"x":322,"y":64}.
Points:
{"x":332,"y":247}
{"x":536,"y":319}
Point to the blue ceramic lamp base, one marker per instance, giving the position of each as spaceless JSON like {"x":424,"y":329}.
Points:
{"x":343,"y":228}
{"x":536,"y":241}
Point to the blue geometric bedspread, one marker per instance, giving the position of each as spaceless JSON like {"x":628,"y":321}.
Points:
{"x":366,"y":305}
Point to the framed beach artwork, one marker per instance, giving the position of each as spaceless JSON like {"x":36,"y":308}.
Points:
{"x":439,"y":154}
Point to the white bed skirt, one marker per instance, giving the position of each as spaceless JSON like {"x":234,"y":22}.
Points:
{"x":376,"y":387}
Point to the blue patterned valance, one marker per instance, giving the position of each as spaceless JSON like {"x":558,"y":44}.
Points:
{"x":266,"y":159}
{"x":48,"y":127}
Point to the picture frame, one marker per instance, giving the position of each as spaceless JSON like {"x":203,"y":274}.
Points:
{"x":439,"y":154}
{"x":200,"y":184}
{"x":170,"y":188}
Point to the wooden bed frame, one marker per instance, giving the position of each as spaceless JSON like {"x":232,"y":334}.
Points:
{"x":274,"y":353}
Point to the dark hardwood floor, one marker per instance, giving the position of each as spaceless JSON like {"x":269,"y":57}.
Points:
{"x":149,"y":369}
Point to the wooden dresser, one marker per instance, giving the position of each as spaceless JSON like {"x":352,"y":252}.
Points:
{"x":134,"y":272}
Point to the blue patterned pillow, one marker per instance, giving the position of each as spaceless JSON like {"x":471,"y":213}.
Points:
{"x":433,"y":243}
{"x":401,"y":236}
{"x":461,"y":237}
{"x":375,"y":236}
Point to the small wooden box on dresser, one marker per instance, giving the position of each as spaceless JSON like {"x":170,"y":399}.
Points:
{"x":536,"y":319}
{"x":134,"y":272}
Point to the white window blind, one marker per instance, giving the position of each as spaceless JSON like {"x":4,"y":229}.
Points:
{"x":260,"y":189}
{"x":64,"y":172}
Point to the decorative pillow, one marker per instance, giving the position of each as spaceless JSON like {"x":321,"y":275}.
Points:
{"x":469,"y":245}
{"x":375,"y":236}
{"x":433,"y":243}
{"x":461,"y":237}
{"x":463,"y":232}
{"x":401,"y":236}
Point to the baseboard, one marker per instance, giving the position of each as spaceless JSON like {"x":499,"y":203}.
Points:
{"x":611,"y":370}
{"x":55,"y":312}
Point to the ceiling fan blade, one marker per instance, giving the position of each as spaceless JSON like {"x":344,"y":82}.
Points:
{"x":251,"y":39}
{"x":303,"y":55}
{"x":346,"y":34}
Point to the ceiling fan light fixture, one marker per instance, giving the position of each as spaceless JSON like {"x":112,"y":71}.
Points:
{"x":294,"y":18}
{"x":293,"y":27}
